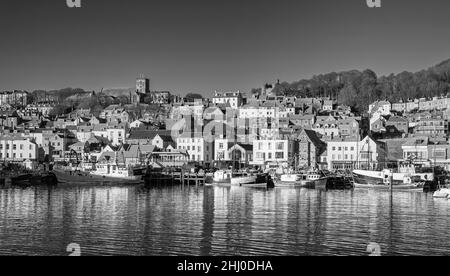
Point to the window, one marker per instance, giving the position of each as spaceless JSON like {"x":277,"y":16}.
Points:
{"x":439,"y":154}
{"x":366,"y":155}
{"x":280,"y":146}
{"x":270,"y":155}
{"x":279,"y":155}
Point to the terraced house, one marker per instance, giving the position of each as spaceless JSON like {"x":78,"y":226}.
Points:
{"x":18,"y":149}
{"x":274,"y":153}
{"x":310,"y":148}
{"x":348,"y":154}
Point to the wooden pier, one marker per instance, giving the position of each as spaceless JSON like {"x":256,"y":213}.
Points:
{"x":175,"y":178}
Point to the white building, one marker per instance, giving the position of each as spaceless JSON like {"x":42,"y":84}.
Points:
{"x":351,"y":154}
{"x":221,"y":150}
{"x":234,"y":98}
{"x":250,"y":112}
{"x":189,"y":109}
{"x":198,"y":149}
{"x":277,"y":152}
{"x":18,"y":149}
{"x":285,"y":112}
{"x":136,"y":124}
{"x":382,"y":107}
{"x":269,"y":133}
{"x":327,"y":105}
{"x":84,"y":133}
{"x":116,"y":135}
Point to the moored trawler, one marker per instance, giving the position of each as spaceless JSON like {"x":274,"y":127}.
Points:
{"x":405,"y":179}
{"x":243,"y":179}
{"x":301,"y":180}
{"x":118,"y":176}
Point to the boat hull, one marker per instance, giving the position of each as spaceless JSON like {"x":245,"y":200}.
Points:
{"x":34,"y":180}
{"x":442,"y":193}
{"x":86,"y":178}
{"x":254,"y":181}
{"x":332,"y":183}
{"x":374,"y":180}
{"x":300,"y":183}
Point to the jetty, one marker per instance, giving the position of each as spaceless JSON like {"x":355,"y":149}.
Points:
{"x":171,"y":178}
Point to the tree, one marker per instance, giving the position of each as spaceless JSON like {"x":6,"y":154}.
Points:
{"x":59,"y":110}
{"x":347,"y":96}
{"x":366,"y":87}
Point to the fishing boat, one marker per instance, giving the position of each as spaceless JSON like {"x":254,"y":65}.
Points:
{"x":442,"y":193}
{"x":300,"y":180}
{"x":110,"y":168}
{"x":332,"y":183}
{"x":115,"y":176}
{"x":243,"y":179}
{"x":405,"y":179}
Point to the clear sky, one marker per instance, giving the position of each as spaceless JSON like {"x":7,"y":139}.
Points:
{"x":203,"y":45}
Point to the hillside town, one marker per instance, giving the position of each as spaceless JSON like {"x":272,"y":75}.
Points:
{"x":263,"y":131}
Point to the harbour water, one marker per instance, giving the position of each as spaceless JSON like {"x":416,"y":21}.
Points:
{"x":220,"y":221}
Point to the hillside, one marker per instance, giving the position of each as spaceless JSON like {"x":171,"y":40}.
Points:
{"x":358,"y":89}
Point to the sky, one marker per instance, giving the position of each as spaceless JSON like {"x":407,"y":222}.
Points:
{"x":200,"y":46}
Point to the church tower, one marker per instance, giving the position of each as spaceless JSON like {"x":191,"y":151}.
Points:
{"x":142,"y":88}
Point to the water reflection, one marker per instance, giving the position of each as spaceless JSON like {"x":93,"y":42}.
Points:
{"x":220,"y":221}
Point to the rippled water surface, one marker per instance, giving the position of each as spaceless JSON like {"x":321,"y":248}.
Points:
{"x":220,"y":221}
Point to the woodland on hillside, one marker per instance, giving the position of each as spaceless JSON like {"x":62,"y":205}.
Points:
{"x":359,"y":89}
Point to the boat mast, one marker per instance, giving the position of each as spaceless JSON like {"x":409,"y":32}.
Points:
{"x":368,"y":153}
{"x":295,"y":164}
